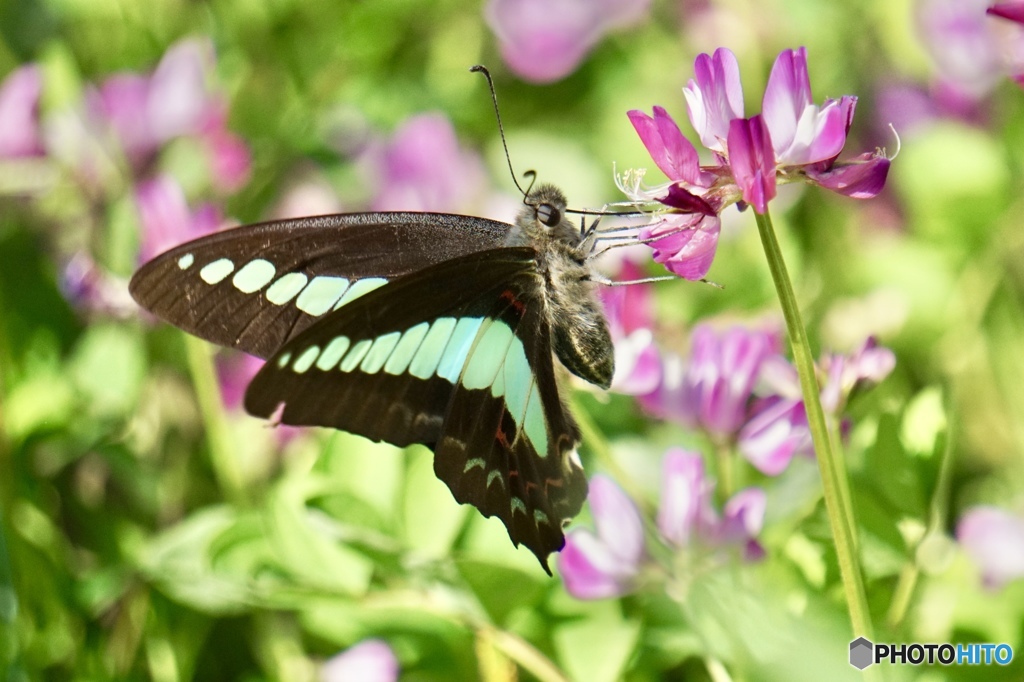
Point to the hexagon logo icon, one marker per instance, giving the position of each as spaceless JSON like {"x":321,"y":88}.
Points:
{"x":861,"y":651}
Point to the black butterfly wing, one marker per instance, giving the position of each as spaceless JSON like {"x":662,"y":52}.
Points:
{"x":254,"y":287}
{"x":457,"y":357}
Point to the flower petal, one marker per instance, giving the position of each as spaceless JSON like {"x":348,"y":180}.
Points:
{"x":786,"y":96}
{"x":686,"y":201}
{"x":180,"y":100}
{"x":672,"y":153}
{"x":369,"y":661}
{"x":746,"y":510}
{"x":616,"y":519}
{"x":715,"y":98}
{"x":542,"y":42}
{"x":1014,"y":11}
{"x":688,"y":245}
{"x":19,"y":113}
{"x":685,"y":494}
{"x":167,"y":220}
{"x":752,"y":160}
{"x":590,"y":570}
{"x":776,"y":433}
{"x":861,"y":177}
{"x":994,"y":539}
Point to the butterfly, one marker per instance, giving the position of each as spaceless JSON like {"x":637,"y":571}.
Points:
{"x":408,"y":327}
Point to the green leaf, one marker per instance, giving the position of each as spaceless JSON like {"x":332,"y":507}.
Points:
{"x":598,"y":647}
{"x":501,"y":589}
{"x":108,"y":367}
{"x":182,"y":562}
{"x":302,"y":547}
{"x":433,"y":518}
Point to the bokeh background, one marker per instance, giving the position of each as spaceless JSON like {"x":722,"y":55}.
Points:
{"x":149,"y":529}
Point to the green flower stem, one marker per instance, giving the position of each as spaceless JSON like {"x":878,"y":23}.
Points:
{"x":524,"y":654}
{"x":223,"y":457}
{"x":844,"y":481}
{"x":833,"y":475}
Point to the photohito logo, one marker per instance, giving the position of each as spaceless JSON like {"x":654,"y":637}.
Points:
{"x":863,"y":653}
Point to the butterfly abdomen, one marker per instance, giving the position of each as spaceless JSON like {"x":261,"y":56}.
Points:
{"x":580,"y":336}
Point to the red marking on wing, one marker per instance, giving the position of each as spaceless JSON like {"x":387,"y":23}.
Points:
{"x":556,"y":482}
{"x":510,"y":296}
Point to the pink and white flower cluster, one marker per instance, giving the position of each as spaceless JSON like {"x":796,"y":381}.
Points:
{"x":608,"y":561}
{"x":793,"y":139}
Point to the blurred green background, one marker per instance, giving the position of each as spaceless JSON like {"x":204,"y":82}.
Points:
{"x":150,"y":531}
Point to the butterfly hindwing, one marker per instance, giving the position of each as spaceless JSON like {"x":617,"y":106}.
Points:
{"x":458,"y":357}
{"x":255,"y":287}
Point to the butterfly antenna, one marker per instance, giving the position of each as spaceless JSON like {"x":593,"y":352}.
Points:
{"x":480,"y":68}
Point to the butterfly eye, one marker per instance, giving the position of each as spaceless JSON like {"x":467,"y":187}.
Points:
{"x":549,"y":215}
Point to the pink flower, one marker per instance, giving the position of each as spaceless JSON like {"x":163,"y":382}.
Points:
{"x":777,"y":432}
{"x":234,"y":372}
{"x":807,"y":139}
{"x":685,"y":496}
{"x":91,"y":288}
{"x":959,"y":39}
{"x":605,"y":563}
{"x":145,"y":112}
{"x":752,"y":161}
{"x":793,"y":139}
{"x":19,"y":113}
{"x":801,"y":132}
{"x":1014,"y":11}
{"x":423,"y":168}
{"x":121,"y":102}
{"x":684,"y":243}
{"x":686,"y":516}
{"x":715,"y":98}
{"x":180,"y":100}
{"x":369,"y":661}
{"x":545,"y":40}
{"x":630,"y":315}
{"x":862,"y":177}
{"x":167,"y":220}
{"x":778,"y":429}
{"x":869,"y":365}
{"x":994,"y":539}
{"x":685,"y":240}
{"x":712,"y":389}
{"x":672,"y":153}
{"x":227,"y":154}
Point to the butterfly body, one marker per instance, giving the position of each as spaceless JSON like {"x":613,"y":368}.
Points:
{"x":413,"y":328}
{"x":580,"y":333}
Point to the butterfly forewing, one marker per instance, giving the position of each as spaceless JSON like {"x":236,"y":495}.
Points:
{"x":257,"y":286}
{"x":456,"y":356}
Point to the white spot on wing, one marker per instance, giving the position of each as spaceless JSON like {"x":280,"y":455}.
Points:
{"x":323,"y":292}
{"x":359,"y":288}
{"x":424,"y":363}
{"x":406,"y":349}
{"x":333,"y":353}
{"x":214,"y":272}
{"x":285,"y":289}
{"x":356,"y":355}
{"x":186,"y":261}
{"x":254,"y":275}
{"x":305,"y":361}
{"x":379,"y":352}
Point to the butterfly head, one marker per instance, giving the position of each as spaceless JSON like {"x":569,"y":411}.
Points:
{"x":543,"y":219}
